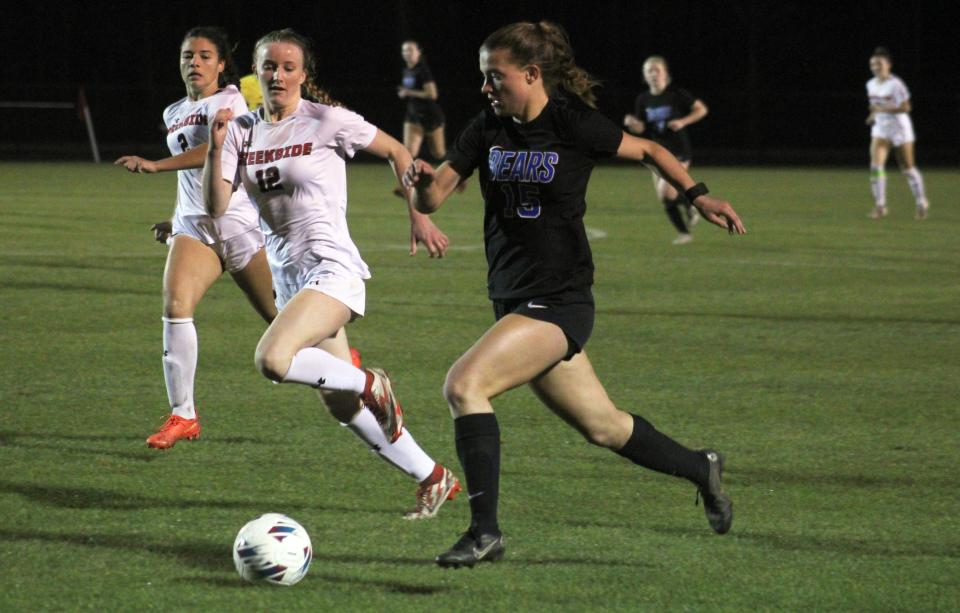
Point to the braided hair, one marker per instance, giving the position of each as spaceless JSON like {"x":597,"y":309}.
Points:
{"x":309,"y":89}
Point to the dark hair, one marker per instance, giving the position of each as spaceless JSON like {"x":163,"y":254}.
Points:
{"x":547,"y":45}
{"x":309,"y":89}
{"x":218,"y":37}
{"x":882,"y":52}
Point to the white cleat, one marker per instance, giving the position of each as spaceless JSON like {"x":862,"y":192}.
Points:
{"x":878,"y":212}
{"x":683,"y":239}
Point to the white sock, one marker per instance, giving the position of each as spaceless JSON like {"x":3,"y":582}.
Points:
{"x":405,"y":453}
{"x":915,"y":181}
{"x":317,"y":368}
{"x":180,"y":364}
{"x":878,"y":185}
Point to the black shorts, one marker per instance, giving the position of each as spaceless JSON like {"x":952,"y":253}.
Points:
{"x":572,"y":311}
{"x":429,"y":121}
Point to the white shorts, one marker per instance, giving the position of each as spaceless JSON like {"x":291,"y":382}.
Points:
{"x":234,"y":253}
{"x":328,"y":280}
{"x":898,"y":130}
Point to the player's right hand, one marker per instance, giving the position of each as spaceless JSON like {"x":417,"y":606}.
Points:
{"x":135,"y":163}
{"x":162,"y":231}
{"x":218,"y":127}
{"x":419,"y":175}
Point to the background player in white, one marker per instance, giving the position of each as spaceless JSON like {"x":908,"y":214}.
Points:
{"x":892,"y":128}
{"x":291,"y":156}
{"x":201,"y":247}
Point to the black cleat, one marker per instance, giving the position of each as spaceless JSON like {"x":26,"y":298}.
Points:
{"x":716,"y":504}
{"x":470,"y":550}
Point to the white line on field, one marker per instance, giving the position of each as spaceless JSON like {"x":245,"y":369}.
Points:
{"x":592,"y":234}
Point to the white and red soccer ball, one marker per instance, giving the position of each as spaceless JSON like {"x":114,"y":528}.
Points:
{"x":274,"y":549}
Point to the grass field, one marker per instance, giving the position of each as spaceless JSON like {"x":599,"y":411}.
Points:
{"x":821,"y":353}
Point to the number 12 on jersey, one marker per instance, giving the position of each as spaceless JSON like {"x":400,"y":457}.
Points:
{"x":268,"y":179}
{"x":523,"y":200}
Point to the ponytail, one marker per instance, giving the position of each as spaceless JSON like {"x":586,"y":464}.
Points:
{"x":547,"y":45}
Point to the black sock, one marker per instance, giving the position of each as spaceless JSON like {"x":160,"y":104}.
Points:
{"x":478,"y":446}
{"x":654,"y":450}
{"x":672,"y":208}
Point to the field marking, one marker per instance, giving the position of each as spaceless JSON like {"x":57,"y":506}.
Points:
{"x":75,"y":256}
{"x":468,"y":248}
{"x":831,"y":264}
{"x":592,"y":234}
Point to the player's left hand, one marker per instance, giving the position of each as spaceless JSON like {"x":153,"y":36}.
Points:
{"x":422,"y":229}
{"x":402,"y":91}
{"x":720,"y":213}
{"x":676,"y":125}
{"x":135,"y":163}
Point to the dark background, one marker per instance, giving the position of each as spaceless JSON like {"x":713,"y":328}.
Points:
{"x":784,"y":81}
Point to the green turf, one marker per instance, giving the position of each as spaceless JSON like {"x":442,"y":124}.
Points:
{"x":821,"y":353}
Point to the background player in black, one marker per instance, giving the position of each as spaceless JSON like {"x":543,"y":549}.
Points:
{"x":424,"y":118}
{"x":535,"y":154}
{"x":662,"y":114}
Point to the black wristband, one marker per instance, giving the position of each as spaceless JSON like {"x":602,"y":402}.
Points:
{"x":697,"y":190}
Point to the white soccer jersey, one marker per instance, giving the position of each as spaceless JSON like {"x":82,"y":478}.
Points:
{"x":892,"y":91}
{"x":295,"y":171}
{"x":187,"y":128}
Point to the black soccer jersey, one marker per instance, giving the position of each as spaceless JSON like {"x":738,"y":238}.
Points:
{"x":534,"y":181}
{"x":657,"y":110}
{"x":414,"y":78}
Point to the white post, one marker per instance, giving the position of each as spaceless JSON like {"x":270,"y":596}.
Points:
{"x":85,"y":109}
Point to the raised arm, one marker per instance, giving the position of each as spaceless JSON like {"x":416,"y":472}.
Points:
{"x":217,"y":189}
{"x":422,"y":228}
{"x":714,"y":210}
{"x":192,"y":158}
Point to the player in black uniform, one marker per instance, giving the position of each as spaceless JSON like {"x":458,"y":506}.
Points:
{"x":662,"y":114}
{"x":535,"y":148}
{"x":424,"y":118}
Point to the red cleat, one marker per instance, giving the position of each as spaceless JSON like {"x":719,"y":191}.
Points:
{"x":433,"y":492}
{"x":172,"y":430}
{"x":380,"y":399}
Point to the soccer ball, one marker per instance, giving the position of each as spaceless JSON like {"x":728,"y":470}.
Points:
{"x":272,"y":549}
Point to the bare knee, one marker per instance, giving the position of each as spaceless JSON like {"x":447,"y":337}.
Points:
{"x":460,"y":388}
{"x":175,"y":307}
{"x":271,"y":362}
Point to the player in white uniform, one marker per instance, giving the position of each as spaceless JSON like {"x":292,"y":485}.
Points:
{"x":290,"y":155}
{"x":892,"y":128}
{"x":201,"y":247}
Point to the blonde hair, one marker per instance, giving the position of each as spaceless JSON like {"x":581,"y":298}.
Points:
{"x":547,"y":45}
{"x":659,"y":59}
{"x":309,"y":89}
